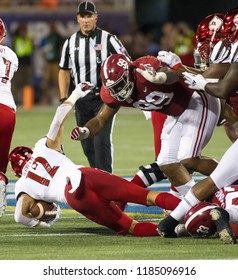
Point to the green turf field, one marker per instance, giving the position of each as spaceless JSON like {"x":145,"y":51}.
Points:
{"x":75,"y":238}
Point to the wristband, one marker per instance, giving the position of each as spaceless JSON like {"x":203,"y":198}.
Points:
{"x":176,"y":66}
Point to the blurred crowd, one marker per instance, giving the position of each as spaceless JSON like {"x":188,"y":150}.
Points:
{"x":176,"y":37}
{"x":39,"y":47}
{"x":41,"y":3}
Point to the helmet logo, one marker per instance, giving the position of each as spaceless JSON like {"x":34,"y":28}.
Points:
{"x":122,"y":63}
{"x":203,"y":229}
{"x":215,"y":23}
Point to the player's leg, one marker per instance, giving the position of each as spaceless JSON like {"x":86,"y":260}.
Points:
{"x":199,"y":122}
{"x":113,"y":188}
{"x":193,"y":129}
{"x":148,"y":175}
{"x":106,"y":213}
{"x":7,"y":125}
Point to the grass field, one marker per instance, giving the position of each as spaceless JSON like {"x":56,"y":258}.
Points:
{"x":75,"y":238}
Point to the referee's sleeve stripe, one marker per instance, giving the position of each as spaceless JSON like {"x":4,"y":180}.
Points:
{"x":64,"y":63}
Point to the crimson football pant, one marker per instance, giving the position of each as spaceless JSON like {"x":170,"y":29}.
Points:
{"x":95,"y":197}
{"x":158,"y":120}
{"x":7,"y":125}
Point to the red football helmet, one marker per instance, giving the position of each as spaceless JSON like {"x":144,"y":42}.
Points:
{"x":2,"y":30}
{"x":18,"y":158}
{"x":115,"y":74}
{"x":198,"y":221}
{"x":208,"y":34}
{"x":230,"y":25}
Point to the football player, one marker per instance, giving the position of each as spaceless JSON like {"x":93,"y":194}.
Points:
{"x":47,"y":174}
{"x":198,"y":220}
{"x":191,"y":119}
{"x":8,"y":66}
{"x":226,"y":172}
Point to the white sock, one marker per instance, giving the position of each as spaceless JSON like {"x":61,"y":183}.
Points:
{"x":183,"y":189}
{"x":188,"y":201}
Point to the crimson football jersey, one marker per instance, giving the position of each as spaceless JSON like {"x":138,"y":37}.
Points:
{"x":226,"y":196}
{"x":171,"y":99}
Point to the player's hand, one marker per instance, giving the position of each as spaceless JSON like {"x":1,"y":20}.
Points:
{"x":79,"y":133}
{"x":42,"y":224}
{"x":170,"y":59}
{"x":56,"y":218}
{"x":82,"y":89}
{"x":151,"y":75}
{"x":197,"y":82}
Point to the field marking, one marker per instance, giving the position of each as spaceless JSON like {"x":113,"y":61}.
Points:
{"x":46,"y":234}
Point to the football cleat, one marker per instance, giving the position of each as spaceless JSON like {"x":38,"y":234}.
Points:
{"x":221,"y":219}
{"x":166,"y":228}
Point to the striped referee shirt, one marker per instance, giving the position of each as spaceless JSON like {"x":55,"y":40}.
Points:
{"x":84,"y":55}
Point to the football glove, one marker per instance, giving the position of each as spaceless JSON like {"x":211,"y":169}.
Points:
{"x":82,"y":89}
{"x":152,"y":76}
{"x":79,"y":133}
{"x":197,"y":82}
{"x":170,"y":59}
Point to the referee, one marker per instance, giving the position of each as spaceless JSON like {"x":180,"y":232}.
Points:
{"x":81,"y":59}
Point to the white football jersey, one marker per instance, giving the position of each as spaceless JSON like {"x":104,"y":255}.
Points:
{"x":8,"y":66}
{"x":46,"y":174}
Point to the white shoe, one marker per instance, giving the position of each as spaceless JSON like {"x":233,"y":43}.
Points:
{"x":3,"y":197}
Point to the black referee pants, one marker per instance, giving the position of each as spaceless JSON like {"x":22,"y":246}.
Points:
{"x":99,"y":149}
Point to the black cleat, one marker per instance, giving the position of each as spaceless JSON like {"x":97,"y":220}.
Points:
{"x":221,"y":219}
{"x":166,"y":228}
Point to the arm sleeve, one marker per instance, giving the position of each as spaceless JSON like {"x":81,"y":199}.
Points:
{"x":59,"y":117}
{"x":20,"y":218}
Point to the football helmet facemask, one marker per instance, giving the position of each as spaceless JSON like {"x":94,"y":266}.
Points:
{"x":208,"y":34}
{"x":198,"y":221}
{"x":18,"y":158}
{"x":2,"y":30}
{"x":115,"y":74}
